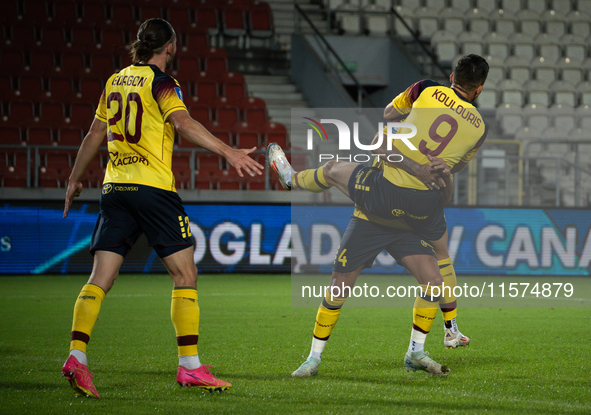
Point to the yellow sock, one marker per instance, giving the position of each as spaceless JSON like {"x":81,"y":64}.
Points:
{"x":312,"y":180}
{"x":184,"y":313}
{"x":327,"y":316}
{"x":86,"y":311}
{"x":448,"y":300}
{"x":425,"y":308}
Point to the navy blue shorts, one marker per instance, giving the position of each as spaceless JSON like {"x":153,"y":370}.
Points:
{"x":421,"y":210}
{"x":128,"y":210}
{"x":364,"y":240}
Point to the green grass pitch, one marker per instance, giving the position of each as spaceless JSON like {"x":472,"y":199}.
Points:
{"x":521,"y":360}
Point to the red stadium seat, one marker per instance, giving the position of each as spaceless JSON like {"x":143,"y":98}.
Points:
{"x":220,"y":131}
{"x":101,"y":66}
{"x":13,"y":178}
{"x":151,"y":12}
{"x":11,"y":136}
{"x":42,"y":63}
{"x":122,"y":15}
{"x":201,"y":113}
{"x":5,"y":87}
{"x":181,"y":169}
{"x":274,"y":133}
{"x":92,"y":13}
{"x":95,"y":173}
{"x":11,"y":12}
{"x":206,"y":90}
{"x":122,"y":60}
{"x":260,"y":20}
{"x":70,"y":136}
{"x":228,"y":180}
{"x":206,"y":17}
{"x":195,"y":40}
{"x":49,"y":177}
{"x":208,"y":166}
{"x":39,"y":136}
{"x":208,"y":162}
{"x":52,"y":114}
{"x":216,"y":60}
{"x":90,"y":90}
{"x":180,"y":18}
{"x":233,"y":18}
{"x":225,"y":114}
{"x":254,"y":110}
{"x":248,"y":140}
{"x":35,"y":12}
{"x":11,"y":62}
{"x":182,"y":3}
{"x":51,"y":38}
{"x":71,"y":64}
{"x":59,"y":89}
{"x":251,"y":102}
{"x":82,"y":40}
{"x":59,"y":160}
{"x":186,"y":68}
{"x":255,"y":115}
{"x":28,"y":88}
{"x":64,"y":13}
{"x":22,"y":37}
{"x":233,"y":86}
{"x":247,"y":135}
{"x":21,"y":113}
{"x":81,"y":115}
{"x":111,"y":40}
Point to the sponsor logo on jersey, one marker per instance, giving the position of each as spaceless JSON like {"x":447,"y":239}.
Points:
{"x":107,"y":188}
{"x":126,"y":188}
{"x":126,"y":159}
{"x":397,"y":212}
{"x":179,"y":93}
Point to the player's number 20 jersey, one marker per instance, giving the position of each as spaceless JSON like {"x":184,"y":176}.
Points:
{"x":135,"y":104}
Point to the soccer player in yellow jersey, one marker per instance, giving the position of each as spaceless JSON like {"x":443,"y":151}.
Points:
{"x":139,"y":110}
{"x":399,"y":207}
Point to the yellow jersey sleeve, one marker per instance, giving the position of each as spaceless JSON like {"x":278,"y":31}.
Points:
{"x":167,"y":93}
{"x":404,"y":101}
{"x":470,"y":154}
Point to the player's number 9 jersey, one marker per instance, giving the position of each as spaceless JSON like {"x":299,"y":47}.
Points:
{"x":447,"y":126}
{"x":135,"y":104}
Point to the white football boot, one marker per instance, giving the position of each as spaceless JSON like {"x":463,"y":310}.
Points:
{"x":278,"y":162}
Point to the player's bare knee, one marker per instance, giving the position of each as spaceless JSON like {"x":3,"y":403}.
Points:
{"x":328,"y":169}
{"x":434,"y":279}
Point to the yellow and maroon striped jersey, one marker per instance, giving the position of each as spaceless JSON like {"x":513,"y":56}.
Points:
{"x":448,"y":126}
{"x":135,"y":104}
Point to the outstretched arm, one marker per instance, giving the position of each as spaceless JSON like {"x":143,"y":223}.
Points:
{"x":197,"y":134}
{"x":86,"y":153}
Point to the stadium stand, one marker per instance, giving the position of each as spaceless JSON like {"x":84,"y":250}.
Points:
{"x":56,"y":56}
